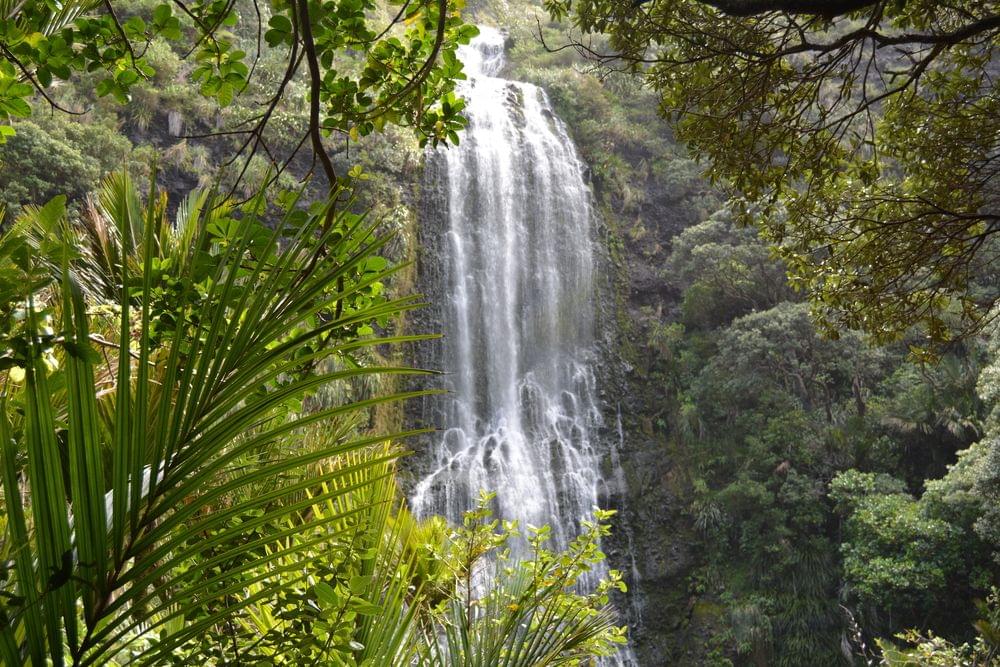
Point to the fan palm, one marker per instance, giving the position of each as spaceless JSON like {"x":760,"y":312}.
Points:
{"x":939,"y":400}
{"x":151,"y":490}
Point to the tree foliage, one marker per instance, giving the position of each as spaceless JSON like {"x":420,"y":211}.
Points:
{"x":895,"y":554}
{"x":764,"y":411}
{"x":52,"y":156}
{"x":859,"y":135}
{"x":724,"y":272}
{"x":362,"y":73}
{"x":930,"y":650}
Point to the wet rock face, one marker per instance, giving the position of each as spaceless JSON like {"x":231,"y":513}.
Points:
{"x":655,"y":541}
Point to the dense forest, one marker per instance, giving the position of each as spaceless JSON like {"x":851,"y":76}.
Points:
{"x":719,"y":379}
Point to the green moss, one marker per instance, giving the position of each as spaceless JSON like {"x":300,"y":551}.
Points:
{"x":708,"y":611}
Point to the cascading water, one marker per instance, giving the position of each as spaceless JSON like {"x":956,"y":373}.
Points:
{"x":519,"y":319}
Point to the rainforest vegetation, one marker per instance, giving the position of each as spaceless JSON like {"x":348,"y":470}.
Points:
{"x":210,"y":215}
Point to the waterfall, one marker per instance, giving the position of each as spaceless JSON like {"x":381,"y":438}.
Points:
{"x":519,"y":330}
{"x":518,"y":287}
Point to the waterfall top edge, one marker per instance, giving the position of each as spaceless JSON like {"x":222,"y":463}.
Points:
{"x":485,"y":55}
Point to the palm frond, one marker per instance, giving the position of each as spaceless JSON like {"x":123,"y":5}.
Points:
{"x":59,"y":14}
{"x":153,"y":548}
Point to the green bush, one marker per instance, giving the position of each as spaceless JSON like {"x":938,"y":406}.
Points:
{"x":53,"y":155}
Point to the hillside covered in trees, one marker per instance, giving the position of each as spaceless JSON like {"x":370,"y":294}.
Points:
{"x":719,"y":380}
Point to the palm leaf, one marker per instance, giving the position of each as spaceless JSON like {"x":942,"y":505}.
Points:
{"x":60,"y":14}
{"x":111,"y":550}
{"x":522,"y":627}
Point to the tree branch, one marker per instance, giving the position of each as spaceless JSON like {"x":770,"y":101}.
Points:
{"x":826,"y":8}
{"x":315,"y":87}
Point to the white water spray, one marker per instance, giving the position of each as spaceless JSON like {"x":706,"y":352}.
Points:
{"x":519,"y":323}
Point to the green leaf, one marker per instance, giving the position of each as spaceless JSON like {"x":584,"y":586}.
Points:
{"x":327,"y":595}
{"x":364,"y":607}
{"x":359,"y":584}
{"x":162,"y":14}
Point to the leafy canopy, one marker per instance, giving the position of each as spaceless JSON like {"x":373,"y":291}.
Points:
{"x":368,"y":63}
{"x":859,"y":134}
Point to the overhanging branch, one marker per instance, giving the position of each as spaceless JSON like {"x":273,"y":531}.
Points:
{"x":829,"y":8}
